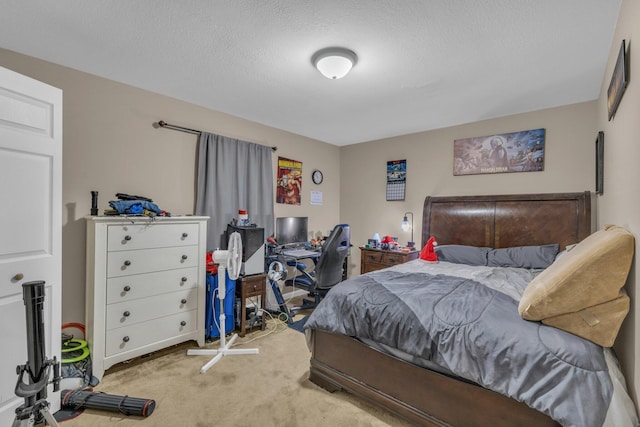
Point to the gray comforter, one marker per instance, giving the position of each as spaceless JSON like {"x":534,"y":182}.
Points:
{"x":473,"y":330}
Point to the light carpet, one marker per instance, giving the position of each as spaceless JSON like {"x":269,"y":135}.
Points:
{"x":266,"y":389}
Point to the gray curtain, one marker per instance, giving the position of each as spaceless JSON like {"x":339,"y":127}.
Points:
{"x":233,"y":175}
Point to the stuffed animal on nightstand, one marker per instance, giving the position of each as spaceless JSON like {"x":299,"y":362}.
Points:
{"x":428,"y":253}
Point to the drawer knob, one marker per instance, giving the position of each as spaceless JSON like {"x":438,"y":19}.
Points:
{"x":185,"y":235}
{"x":18,"y":276}
{"x":392,"y":260}
{"x":125,"y":339}
{"x":127,"y":237}
{"x":183,"y":301}
{"x":183,"y":323}
{"x":184,"y":279}
{"x":127,"y":262}
{"x":126,"y":314}
{"x":127,"y":288}
{"x":184,"y":257}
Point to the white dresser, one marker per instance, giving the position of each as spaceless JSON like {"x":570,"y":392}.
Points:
{"x":146,"y":285}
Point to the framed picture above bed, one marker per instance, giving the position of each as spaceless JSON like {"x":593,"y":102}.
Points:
{"x":600,"y":163}
{"x":508,"y":152}
{"x":618,"y":82}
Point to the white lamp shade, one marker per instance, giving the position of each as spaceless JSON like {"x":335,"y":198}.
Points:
{"x":334,"y":63}
{"x":334,"y":67}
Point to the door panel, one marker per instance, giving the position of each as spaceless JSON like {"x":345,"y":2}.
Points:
{"x":30,"y":222}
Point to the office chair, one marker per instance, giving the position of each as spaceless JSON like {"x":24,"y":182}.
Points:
{"x":329,"y":269}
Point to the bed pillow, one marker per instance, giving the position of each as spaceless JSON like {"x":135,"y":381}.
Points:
{"x":523,"y":256}
{"x":599,"y":323}
{"x":563,"y":252}
{"x":461,"y":254}
{"x":580,"y":283}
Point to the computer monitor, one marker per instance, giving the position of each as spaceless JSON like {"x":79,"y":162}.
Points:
{"x":292,"y":230}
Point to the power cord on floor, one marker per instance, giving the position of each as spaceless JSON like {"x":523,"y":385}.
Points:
{"x":273,"y":325}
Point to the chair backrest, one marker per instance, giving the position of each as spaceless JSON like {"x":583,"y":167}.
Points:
{"x":328,"y":270}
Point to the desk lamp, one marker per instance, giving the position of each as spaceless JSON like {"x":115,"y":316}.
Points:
{"x":406,"y":226}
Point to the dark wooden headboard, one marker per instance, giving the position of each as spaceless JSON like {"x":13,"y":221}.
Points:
{"x":508,"y":220}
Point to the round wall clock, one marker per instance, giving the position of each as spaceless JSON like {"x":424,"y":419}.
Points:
{"x":317,"y":177}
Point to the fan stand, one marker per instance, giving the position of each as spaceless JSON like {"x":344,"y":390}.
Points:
{"x":228,"y":260}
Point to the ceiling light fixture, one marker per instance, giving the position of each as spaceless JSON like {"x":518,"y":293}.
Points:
{"x":334,"y":62}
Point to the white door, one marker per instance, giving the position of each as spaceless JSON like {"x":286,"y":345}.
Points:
{"x":30,"y":222}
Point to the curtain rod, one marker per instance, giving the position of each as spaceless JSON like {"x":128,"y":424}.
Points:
{"x":164,"y":124}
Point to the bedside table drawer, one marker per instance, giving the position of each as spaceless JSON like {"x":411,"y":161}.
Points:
{"x":377,"y":259}
{"x":250,"y":286}
{"x":372,"y":266}
{"x":372,"y":257}
{"x":391,"y":258}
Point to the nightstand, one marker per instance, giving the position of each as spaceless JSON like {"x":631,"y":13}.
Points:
{"x":377,"y":259}
{"x":250,"y":287}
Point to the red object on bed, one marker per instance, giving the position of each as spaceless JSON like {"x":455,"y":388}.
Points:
{"x":428,"y":253}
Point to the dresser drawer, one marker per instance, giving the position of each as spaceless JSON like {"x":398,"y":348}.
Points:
{"x":139,"y":335}
{"x":390,"y":258}
{"x":128,"y":237}
{"x":127,"y":288}
{"x":141,"y":310}
{"x":377,"y":259}
{"x":124,"y":263}
{"x":372,"y":257}
{"x":371,"y":266}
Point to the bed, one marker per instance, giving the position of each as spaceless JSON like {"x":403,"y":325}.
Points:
{"x":426,"y":393}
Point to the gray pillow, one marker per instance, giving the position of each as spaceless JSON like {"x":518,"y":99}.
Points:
{"x":461,"y":254}
{"x":564,"y":252}
{"x":523,"y":256}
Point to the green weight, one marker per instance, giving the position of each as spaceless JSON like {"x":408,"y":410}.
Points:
{"x":80,"y":345}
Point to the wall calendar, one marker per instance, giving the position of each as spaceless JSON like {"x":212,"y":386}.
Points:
{"x":396,"y":179}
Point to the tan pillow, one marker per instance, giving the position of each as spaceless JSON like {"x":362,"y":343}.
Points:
{"x":592,"y":273}
{"x":599,"y":324}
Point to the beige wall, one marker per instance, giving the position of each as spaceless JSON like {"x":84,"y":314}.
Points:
{"x":569,"y":166}
{"x":620,"y":203}
{"x":110,"y":145}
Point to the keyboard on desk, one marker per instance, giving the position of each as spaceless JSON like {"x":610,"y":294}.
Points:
{"x":300,"y":253}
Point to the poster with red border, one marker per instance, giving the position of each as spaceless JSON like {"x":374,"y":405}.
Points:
{"x":289,"y":185}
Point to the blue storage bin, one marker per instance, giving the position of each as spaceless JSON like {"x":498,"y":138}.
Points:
{"x":212,"y":316}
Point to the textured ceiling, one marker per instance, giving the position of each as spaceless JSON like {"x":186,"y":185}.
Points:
{"x":422,"y":64}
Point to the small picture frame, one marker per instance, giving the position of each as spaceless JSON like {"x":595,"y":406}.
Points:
{"x":600,"y":163}
{"x":618,"y":83}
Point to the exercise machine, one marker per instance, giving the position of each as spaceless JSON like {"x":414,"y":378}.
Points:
{"x":33,"y":376}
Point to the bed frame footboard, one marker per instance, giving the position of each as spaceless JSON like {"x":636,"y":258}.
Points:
{"x":419,"y":395}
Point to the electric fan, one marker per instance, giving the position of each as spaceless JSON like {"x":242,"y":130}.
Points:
{"x":229,"y":262}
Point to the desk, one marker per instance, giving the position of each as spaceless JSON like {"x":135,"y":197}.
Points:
{"x":291,"y":257}
{"x":303,"y":273}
